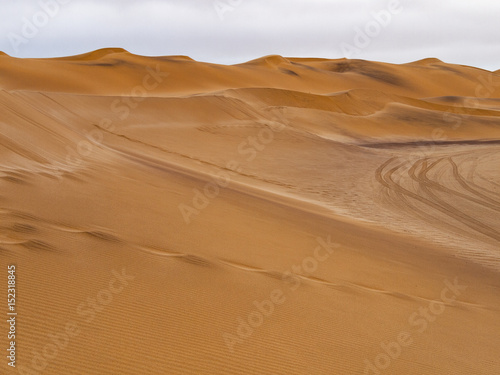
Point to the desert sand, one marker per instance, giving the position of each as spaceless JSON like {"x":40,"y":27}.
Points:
{"x":280,"y":216}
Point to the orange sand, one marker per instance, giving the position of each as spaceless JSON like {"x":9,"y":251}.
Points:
{"x":282,"y":216}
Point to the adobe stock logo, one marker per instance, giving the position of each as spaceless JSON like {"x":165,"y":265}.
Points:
{"x":263,"y":310}
{"x":372,"y":29}
{"x":59,"y":340}
{"x":31,"y":27}
{"x":419,"y":321}
{"x":223,"y":6}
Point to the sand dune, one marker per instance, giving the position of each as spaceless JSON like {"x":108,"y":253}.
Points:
{"x":280,"y":216}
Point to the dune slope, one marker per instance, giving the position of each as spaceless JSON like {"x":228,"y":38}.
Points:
{"x":281,"y":216}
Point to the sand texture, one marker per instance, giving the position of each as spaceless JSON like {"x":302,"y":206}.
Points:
{"x":283,"y":216}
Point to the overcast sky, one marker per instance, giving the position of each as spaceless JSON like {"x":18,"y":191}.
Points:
{"x":234,"y":31}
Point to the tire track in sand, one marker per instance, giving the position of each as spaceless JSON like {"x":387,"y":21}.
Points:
{"x":385,"y":177}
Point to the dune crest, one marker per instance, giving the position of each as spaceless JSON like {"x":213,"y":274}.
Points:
{"x":427,"y":61}
{"x":99,"y":54}
{"x":270,"y":61}
{"x":178,"y":58}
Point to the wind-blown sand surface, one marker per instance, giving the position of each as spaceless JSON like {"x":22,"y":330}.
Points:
{"x":282,"y":216}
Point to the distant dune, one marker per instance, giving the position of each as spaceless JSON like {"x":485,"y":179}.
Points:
{"x":280,"y":216}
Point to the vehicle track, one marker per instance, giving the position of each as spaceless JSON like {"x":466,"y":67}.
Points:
{"x":467,"y":186}
{"x":428,"y":189}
